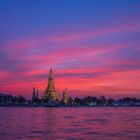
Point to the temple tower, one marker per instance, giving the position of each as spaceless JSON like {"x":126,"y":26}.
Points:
{"x":33,"y":95}
{"x":50,"y":91}
{"x":65,"y":96}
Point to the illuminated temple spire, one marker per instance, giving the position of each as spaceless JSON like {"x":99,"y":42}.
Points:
{"x":51,"y":74}
{"x":50,"y":91}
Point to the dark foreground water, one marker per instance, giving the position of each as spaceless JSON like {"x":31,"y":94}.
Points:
{"x":70,"y":123}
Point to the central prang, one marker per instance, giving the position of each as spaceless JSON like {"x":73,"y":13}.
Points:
{"x":50,"y":92}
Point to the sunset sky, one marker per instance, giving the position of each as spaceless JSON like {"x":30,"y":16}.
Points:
{"x":93,"y":46}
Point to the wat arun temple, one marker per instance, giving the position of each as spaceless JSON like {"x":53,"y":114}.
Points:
{"x":50,"y":95}
{"x":50,"y":92}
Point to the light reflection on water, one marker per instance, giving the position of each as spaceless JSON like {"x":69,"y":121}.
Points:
{"x":70,"y":123}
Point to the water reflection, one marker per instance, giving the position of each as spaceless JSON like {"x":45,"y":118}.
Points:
{"x":69,"y":123}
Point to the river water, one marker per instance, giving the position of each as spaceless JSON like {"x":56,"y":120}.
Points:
{"x":70,"y":123}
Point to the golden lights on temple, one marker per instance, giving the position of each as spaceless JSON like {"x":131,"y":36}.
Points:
{"x":50,"y":94}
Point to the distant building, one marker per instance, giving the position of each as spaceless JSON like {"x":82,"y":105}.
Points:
{"x":5,"y":98}
{"x":50,"y":92}
{"x":35,"y":95}
{"x":37,"y":92}
{"x":65,"y":96}
{"x":70,"y":101}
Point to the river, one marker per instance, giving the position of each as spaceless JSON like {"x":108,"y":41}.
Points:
{"x":83,"y":123}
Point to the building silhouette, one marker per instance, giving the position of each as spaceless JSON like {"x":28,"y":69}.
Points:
{"x":34,"y":95}
{"x":65,"y":96}
{"x":70,"y":101}
{"x":5,"y":98}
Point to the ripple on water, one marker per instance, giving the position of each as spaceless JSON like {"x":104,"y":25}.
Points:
{"x":69,"y":117}
{"x":97,"y":121}
{"x":75,"y":125}
{"x":36,"y":132}
{"x":70,"y":130}
{"x":128,"y":131}
{"x":4,"y":134}
{"x":92,"y":133}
